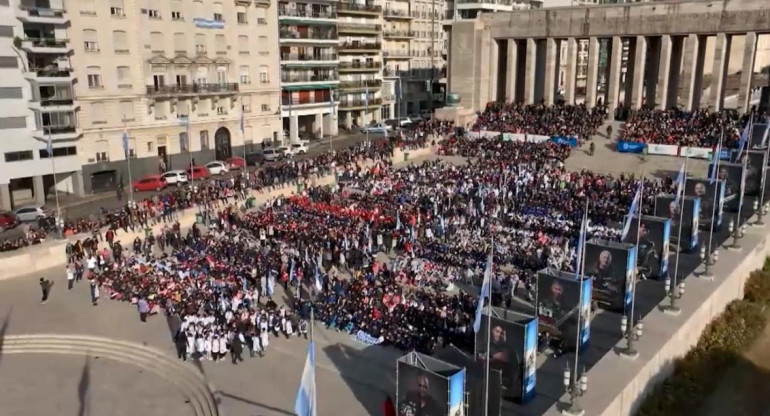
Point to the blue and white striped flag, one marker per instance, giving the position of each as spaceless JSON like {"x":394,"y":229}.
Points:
{"x":270,"y":285}
{"x":742,"y":141}
{"x":243,"y":128}
{"x":679,"y":186}
{"x":331,"y":103}
{"x":125,"y":143}
{"x":632,"y":211}
{"x":292,"y":273}
{"x":486,"y":289}
{"x":366,"y":97}
{"x":49,"y":146}
{"x":715,"y":162}
{"x":318,"y":284}
{"x":398,"y":220}
{"x":442,"y":224}
{"x":305,"y":404}
{"x":581,"y":244}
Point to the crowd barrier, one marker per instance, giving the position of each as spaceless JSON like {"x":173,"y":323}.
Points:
{"x":523,"y":137}
{"x":670,"y":150}
{"x":51,"y":254}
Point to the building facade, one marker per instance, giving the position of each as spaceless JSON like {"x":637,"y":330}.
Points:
{"x":189,"y":81}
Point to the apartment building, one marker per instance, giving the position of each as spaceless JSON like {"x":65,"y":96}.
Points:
{"x":36,"y":103}
{"x":309,"y":63}
{"x":189,"y":81}
{"x":360,"y":46}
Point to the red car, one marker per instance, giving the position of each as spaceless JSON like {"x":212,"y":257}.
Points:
{"x":236,"y":163}
{"x":149,"y":183}
{"x":198,"y":172}
{"x":7,"y":221}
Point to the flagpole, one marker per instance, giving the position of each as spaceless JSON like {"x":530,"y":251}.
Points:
{"x":128,"y":162}
{"x":55,"y":182}
{"x":243,"y":136}
{"x":489,"y":329}
{"x":715,"y":176}
{"x":742,"y":191}
{"x":673,"y":308}
{"x":189,"y":150}
{"x":366,"y":110}
{"x":580,"y":296}
{"x":636,"y":266}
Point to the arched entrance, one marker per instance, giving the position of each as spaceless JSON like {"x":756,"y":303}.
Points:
{"x":222,"y":146}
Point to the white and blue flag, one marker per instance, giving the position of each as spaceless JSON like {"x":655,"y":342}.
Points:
{"x":305,"y":404}
{"x":679,"y":186}
{"x":744,"y":138}
{"x":486,"y":289}
{"x":635,"y":203}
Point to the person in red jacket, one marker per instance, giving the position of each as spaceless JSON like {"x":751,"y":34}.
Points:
{"x":388,"y":409}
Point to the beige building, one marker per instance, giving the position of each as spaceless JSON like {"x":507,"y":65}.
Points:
{"x":187,"y":79}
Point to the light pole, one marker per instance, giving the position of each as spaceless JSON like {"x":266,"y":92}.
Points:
{"x":576,"y":386}
{"x":708,"y":259}
{"x":631,"y":333}
{"x":674,"y":293}
{"x":734,"y":233}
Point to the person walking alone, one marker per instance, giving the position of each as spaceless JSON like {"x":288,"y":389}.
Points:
{"x":45,"y":287}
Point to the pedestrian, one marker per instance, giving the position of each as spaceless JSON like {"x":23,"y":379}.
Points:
{"x":70,"y":276}
{"x":45,"y":287}
{"x":236,"y":348}
{"x":144,"y":309}
{"x":94,"y":292}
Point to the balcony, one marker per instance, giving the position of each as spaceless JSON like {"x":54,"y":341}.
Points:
{"x":291,"y":34}
{"x":359,"y":104}
{"x":360,"y":47}
{"x":53,"y":104}
{"x":388,"y":98}
{"x":358,"y":9}
{"x":359,"y":28}
{"x":50,"y":75}
{"x":390,"y":14}
{"x":361,"y":84}
{"x":42,"y":15}
{"x":492,"y":5}
{"x":192,"y":89}
{"x":297,"y":82}
{"x":394,"y":55}
{"x":58,"y":133}
{"x":306,"y":16}
{"x":398,"y":34}
{"x":360,"y":66}
{"x":46,"y":45}
{"x":262,"y":3}
{"x":309,"y":60}
{"x":309,"y":101}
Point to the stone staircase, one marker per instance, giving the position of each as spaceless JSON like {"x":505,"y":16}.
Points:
{"x":188,"y":380}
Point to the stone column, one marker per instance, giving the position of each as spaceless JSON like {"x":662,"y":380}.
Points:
{"x":631,"y":69}
{"x":613,"y":84}
{"x":493,"y":66}
{"x":5,"y":197}
{"x":637,"y":89}
{"x":749,"y":57}
{"x":294,"y":128}
{"x":593,"y":71}
{"x":529,"y":77}
{"x":692,"y":72}
{"x":571,"y":73}
{"x":664,"y":71}
{"x":510,"y":71}
{"x":719,"y":71}
{"x":77,"y":183}
{"x":551,"y":71}
{"x":38,"y":190}
{"x":318,"y":126}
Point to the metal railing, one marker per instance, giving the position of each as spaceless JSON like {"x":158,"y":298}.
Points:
{"x":51,"y":102}
{"x":358,"y":27}
{"x":59,"y":129}
{"x":328,"y":34}
{"x":352,"y":7}
{"x":396,"y":54}
{"x":360,"y":102}
{"x":225,"y":88}
{"x":305,"y":100}
{"x":398,"y":34}
{"x":309,"y":57}
{"x":51,"y":73}
{"x":47,"y":42}
{"x":283,"y":12}
{"x":364,"y":83}
{"x":309,"y":78}
{"x":42,"y":11}
{"x":361,"y":46}
{"x":500,"y":2}
{"x":398,"y":14}
{"x":360,"y":65}
{"x":388,"y":98}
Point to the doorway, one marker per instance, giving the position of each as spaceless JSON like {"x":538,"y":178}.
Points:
{"x":222,"y":146}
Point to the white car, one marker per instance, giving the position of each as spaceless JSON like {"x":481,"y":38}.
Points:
{"x":298,"y":148}
{"x":271,"y":155}
{"x":176,"y":177}
{"x":31,"y":213}
{"x":217,"y":167}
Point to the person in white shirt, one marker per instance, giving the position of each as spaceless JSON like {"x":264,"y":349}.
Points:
{"x":215,"y":348}
{"x":70,"y":277}
{"x":91,"y":264}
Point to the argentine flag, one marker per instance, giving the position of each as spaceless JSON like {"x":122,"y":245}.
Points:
{"x":486,"y":288}
{"x":305,"y":404}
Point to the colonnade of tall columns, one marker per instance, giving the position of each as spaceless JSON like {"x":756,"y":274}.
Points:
{"x":654,"y":71}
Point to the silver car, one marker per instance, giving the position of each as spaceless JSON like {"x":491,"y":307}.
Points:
{"x":31,"y":213}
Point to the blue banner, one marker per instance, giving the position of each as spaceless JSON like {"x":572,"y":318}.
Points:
{"x":208,"y":23}
{"x":630,"y":147}
{"x":695,"y":216}
{"x":568,"y":141}
{"x":530,"y":360}
{"x":630,"y":276}
{"x":457,"y":393}
{"x":585,"y":312}
{"x":665,"y":251}
{"x":721,"y":189}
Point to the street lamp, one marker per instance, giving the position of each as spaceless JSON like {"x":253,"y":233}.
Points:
{"x":632,"y":333}
{"x":734,"y":231}
{"x":706,"y":259}
{"x":674,"y":293}
{"x":576,"y":386}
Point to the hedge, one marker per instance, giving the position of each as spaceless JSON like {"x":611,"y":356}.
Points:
{"x":718,"y":348}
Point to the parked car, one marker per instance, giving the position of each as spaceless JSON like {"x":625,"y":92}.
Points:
{"x":415,"y":118}
{"x":198,"y":172}
{"x":284,"y":151}
{"x":217,"y":167}
{"x":271,"y":155}
{"x":402,"y":122}
{"x":7,"y":221}
{"x":377,"y":128}
{"x":298,"y":149}
{"x":149,"y":183}
{"x":176,"y":177}
{"x":236,"y":163}
{"x":31,"y":213}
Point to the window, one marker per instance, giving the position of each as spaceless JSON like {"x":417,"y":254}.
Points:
{"x":218,"y":14}
{"x":153,"y":13}
{"x":90,"y":42}
{"x":183,"y":142}
{"x":243,"y":44}
{"x":18,"y":156}
{"x":124,"y":77}
{"x":59,"y":152}
{"x":13,"y":123}
{"x":204,"y":135}
{"x":98,"y":115}
{"x":246,"y":104}
{"x":176,"y":15}
{"x":156,"y":43}
{"x":263,"y":74}
{"x":261,"y":16}
{"x":221,"y":110}
{"x":176,"y":10}
{"x":87,"y":7}
{"x":221,"y":44}
{"x":200,"y":43}
{"x":183,"y":109}
{"x":116,"y":8}
{"x":263,"y":45}
{"x":102,"y":157}
{"x":161,"y":110}
{"x":126,"y":109}
{"x":180,"y":43}
{"x":241,"y":15}
{"x":94,"y":77}
{"x":120,"y":41}
{"x":265,"y":108}
{"x":243,"y":75}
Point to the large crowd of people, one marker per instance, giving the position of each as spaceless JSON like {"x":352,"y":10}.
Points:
{"x":700,"y":128}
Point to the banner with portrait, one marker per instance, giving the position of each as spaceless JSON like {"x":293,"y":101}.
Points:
{"x":423,"y":385}
{"x":653,"y":238}
{"x":475,"y":377}
{"x":732,"y":174}
{"x":756,"y":165}
{"x":705,"y":189}
{"x":758,"y":139}
{"x":504,"y":348}
{"x":530,"y":360}
{"x":665,"y":207}
{"x":611,"y":265}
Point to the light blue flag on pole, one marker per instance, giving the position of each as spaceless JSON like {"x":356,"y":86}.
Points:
{"x":442,"y":224}
{"x":125,"y":143}
{"x":744,"y":138}
{"x":398,"y":220}
{"x":581,"y":245}
{"x":305,"y":404}
{"x":270,"y":285}
{"x":486,"y":288}
{"x":632,"y":211}
{"x":679,"y":186}
{"x":49,"y":146}
{"x":318,"y":284}
{"x":331,"y":103}
{"x":243,"y":128}
{"x":714,"y":161}
{"x":292,"y":273}
{"x":764,"y":136}
{"x":366,"y":97}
